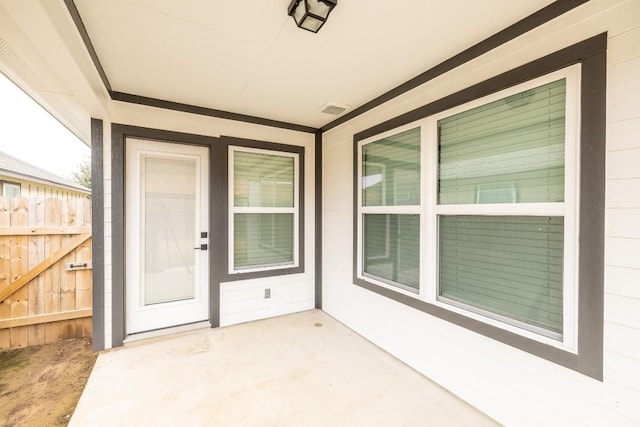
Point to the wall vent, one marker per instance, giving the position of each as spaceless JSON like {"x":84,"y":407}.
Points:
{"x":334,"y":108}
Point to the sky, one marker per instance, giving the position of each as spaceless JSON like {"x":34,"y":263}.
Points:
{"x":30,"y":133}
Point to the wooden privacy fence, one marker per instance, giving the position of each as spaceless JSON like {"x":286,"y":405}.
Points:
{"x":45,"y":270}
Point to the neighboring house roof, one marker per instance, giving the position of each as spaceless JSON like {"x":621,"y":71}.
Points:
{"x":17,"y":168}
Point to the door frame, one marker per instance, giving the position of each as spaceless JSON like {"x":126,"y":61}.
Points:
{"x":218,"y":216}
{"x":141,"y":317}
{"x":217,"y":179}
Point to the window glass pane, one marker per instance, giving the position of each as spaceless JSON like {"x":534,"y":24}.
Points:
{"x":392,"y":249}
{"x":391,"y":170}
{"x":168,"y":230}
{"x":263,"y":180}
{"x":10,"y":190}
{"x":262,"y":239}
{"x":511,"y":266}
{"x":507,"y":151}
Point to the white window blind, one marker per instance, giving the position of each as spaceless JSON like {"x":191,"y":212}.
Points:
{"x":390,"y":201}
{"x":507,"y":151}
{"x":507,"y":265}
{"x":264,"y":209}
{"x":504,"y":153}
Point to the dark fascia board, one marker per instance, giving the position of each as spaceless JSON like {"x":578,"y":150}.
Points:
{"x":532,"y":21}
{"x":591,"y":53}
{"x":97,"y":231}
{"x":203,"y":111}
{"x":169,"y":105}
{"x":318,"y":219}
{"x":555,"y":61}
{"x":77,"y":20}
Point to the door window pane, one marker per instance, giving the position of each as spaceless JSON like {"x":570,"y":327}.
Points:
{"x":507,"y":151}
{"x":169,"y":203}
{"x":508,"y":265}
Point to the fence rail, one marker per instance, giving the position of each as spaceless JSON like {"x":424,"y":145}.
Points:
{"x":45,"y":270}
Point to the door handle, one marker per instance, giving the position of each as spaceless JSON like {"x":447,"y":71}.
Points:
{"x":202,"y":247}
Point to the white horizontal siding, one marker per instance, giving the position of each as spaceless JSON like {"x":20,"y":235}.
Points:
{"x":245,"y":301}
{"x":624,"y":164}
{"x":622,"y":252}
{"x":623,"y":135}
{"x":512,"y":386}
{"x":108,"y":275}
{"x":624,"y":103}
{"x":622,"y":339}
{"x":623,"y":223}
{"x":622,"y":369}
{"x":623,"y":193}
{"x":622,"y":274}
{"x":31,"y":189}
{"x":622,"y":310}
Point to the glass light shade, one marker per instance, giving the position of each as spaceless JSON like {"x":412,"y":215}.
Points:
{"x":311,"y":14}
{"x":319,"y":8}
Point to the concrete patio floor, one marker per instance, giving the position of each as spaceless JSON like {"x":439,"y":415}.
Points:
{"x":304,"y":369}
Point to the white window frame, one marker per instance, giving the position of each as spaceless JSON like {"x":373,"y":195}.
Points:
{"x":429,"y":211}
{"x":295,"y":210}
{"x":392,"y":210}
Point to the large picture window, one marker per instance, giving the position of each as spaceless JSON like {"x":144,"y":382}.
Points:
{"x":263,"y":205}
{"x":474,"y":209}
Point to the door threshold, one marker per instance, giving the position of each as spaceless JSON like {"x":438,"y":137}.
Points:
{"x":166,"y":331}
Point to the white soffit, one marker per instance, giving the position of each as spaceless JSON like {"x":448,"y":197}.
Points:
{"x":248,"y":56}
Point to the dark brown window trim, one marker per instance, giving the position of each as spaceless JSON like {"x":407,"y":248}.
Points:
{"x":318,"y":219}
{"x":210,"y":112}
{"x":546,"y":14}
{"x":97,"y":232}
{"x":218,"y":225}
{"x":224,"y":258}
{"x":532,"y":21}
{"x":591,"y":54}
{"x":119,"y":134}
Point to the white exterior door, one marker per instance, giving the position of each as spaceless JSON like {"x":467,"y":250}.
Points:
{"x":167,"y":262}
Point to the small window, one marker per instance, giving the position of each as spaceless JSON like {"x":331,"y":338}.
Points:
{"x":389,"y":210}
{"x":10,"y":189}
{"x":263,"y":210}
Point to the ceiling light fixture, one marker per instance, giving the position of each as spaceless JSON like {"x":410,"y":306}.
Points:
{"x":311,"y":15}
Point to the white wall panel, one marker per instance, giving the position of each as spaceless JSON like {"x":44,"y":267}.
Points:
{"x":510,"y":385}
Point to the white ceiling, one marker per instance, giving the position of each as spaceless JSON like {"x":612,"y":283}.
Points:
{"x":248,"y":56}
